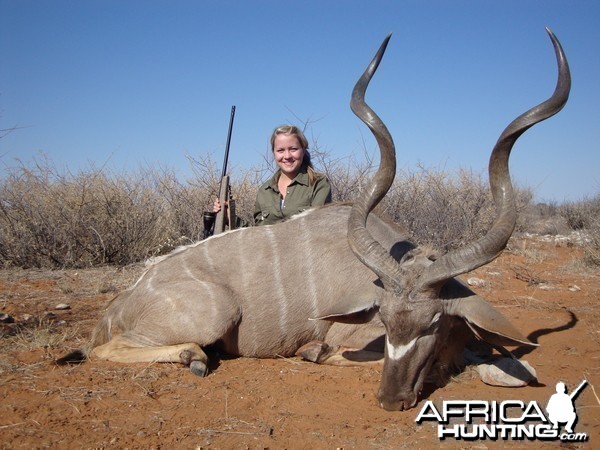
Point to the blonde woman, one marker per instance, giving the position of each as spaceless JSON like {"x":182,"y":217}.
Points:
{"x":295,"y":186}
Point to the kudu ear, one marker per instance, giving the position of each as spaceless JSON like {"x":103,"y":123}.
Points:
{"x":489,"y":325}
{"x":485,"y":321}
{"x":352,"y":314}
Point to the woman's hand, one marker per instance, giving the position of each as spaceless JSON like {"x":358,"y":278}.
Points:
{"x":216,"y":205}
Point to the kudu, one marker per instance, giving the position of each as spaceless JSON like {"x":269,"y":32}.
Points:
{"x":337,"y":275}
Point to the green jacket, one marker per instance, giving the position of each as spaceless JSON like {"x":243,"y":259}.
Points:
{"x":300,"y":196}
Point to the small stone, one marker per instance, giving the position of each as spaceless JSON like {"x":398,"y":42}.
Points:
{"x":574,"y":288}
{"x":62,"y":306}
{"x":477,"y":282}
{"x":507,"y":372}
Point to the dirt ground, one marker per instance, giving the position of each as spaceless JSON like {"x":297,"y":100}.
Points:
{"x":281,"y":403}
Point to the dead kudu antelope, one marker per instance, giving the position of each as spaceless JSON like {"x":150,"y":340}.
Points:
{"x":337,"y":275}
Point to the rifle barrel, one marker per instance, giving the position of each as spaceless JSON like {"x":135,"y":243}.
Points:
{"x":578,"y":389}
{"x":224,"y":172}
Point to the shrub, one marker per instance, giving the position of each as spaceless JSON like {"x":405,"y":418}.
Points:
{"x":57,"y":219}
{"x":585,"y":215}
{"x":581,"y":215}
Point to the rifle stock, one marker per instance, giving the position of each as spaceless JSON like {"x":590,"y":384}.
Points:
{"x":227,"y":213}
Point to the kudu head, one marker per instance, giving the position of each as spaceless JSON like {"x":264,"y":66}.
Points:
{"x":422,"y":301}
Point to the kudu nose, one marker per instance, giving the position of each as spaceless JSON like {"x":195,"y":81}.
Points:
{"x":402,"y":403}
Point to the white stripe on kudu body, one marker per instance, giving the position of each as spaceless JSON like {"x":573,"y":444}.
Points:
{"x":280,"y":296}
{"x":309,"y":277}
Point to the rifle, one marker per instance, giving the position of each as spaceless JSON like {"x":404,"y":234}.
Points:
{"x":227,"y":212}
{"x":578,"y":389}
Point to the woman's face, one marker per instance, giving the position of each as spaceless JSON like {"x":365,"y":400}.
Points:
{"x":288,"y":154}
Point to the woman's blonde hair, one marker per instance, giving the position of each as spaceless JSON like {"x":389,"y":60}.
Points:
{"x":293,"y":130}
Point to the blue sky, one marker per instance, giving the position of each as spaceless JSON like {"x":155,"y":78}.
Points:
{"x":134,"y":83}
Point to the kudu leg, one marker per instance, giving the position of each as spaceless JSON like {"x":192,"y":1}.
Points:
{"x":347,"y":345}
{"x":321,"y":353}
{"x":120,"y":349}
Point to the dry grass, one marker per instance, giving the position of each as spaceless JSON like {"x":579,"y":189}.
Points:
{"x":580,"y":265}
{"x":42,"y":336}
{"x":528,"y":275}
{"x":530,"y":253}
{"x":29,"y":296}
{"x":530,"y":303}
{"x":585,"y":215}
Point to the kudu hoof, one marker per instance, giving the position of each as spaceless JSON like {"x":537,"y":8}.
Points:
{"x":196,"y":366}
{"x":314,"y":351}
{"x":199,"y":368}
